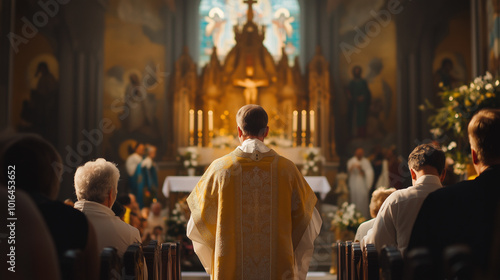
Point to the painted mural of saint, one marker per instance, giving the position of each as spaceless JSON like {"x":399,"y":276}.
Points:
{"x":359,"y":96}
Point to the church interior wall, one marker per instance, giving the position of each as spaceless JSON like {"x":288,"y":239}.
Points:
{"x":132,"y":48}
{"x":378,"y":63}
{"x":91,"y":46}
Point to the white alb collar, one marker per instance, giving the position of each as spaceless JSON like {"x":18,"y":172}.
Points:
{"x":253,"y":144}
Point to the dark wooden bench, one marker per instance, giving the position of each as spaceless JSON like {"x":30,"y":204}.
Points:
{"x":175,"y":253}
{"x":370,"y":263}
{"x":457,"y":261}
{"x":152,"y":256}
{"x":419,"y":265}
{"x":356,"y":262}
{"x":348,"y":252}
{"x":72,"y":265}
{"x":341,"y":260}
{"x":111,"y":265}
{"x":391,"y":263}
{"x":133,"y":263}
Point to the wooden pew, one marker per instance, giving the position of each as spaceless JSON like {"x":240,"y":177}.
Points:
{"x":72,"y":265}
{"x":341,"y":260}
{"x":391,"y":263}
{"x":348,"y":252}
{"x":133,"y":263}
{"x":457,"y":260}
{"x":370,"y":263}
{"x":111,"y":266}
{"x":356,"y":262}
{"x":152,"y":256}
{"x":175,"y":253}
{"x":420,"y":266}
{"x":166,"y":262}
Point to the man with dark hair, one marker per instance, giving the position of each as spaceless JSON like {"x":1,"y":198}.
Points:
{"x":252,"y":212}
{"x":465,"y":212}
{"x":395,"y":218}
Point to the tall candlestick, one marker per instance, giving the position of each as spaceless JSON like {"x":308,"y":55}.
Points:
{"x":200,"y":120}
{"x":191,"y":120}
{"x":210,"y":120}
{"x":304,"y":117}
{"x":295,"y":121}
{"x":311,"y":120}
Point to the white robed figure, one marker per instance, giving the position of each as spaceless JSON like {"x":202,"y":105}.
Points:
{"x":360,"y":181}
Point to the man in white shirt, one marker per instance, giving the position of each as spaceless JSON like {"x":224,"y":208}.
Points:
{"x":395,"y":219}
{"x":96,"y":185}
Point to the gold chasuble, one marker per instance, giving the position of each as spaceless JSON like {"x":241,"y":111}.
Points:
{"x":252,"y":210}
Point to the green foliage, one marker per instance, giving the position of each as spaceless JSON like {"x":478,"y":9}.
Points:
{"x":450,"y":121}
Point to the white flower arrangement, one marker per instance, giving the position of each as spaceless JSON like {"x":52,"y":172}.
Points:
{"x":177,"y":220}
{"x":458,"y":107}
{"x":312,"y":159}
{"x":190,"y":157}
{"x":347,"y":217}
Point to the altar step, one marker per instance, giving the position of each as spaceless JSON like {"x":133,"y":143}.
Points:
{"x":315,"y":275}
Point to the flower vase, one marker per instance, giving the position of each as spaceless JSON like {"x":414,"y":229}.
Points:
{"x":344,"y":235}
{"x":191,"y":171}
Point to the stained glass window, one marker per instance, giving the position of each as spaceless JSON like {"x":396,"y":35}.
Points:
{"x":280,"y":17}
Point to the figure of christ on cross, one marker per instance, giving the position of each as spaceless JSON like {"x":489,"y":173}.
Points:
{"x":250,"y":90}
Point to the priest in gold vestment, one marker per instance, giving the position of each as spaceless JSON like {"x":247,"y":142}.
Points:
{"x":253,"y":215}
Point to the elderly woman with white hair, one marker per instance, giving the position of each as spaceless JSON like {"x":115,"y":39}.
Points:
{"x":96,"y":186}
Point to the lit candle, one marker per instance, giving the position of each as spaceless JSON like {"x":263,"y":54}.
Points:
{"x":210,"y":120}
{"x":200,"y":120}
{"x":191,"y":120}
{"x":311,"y":120}
{"x":304,"y":117}
{"x":295,"y":120}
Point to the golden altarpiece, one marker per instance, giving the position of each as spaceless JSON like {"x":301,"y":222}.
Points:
{"x":299,"y":106}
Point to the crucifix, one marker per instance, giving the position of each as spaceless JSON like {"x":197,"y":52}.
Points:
{"x":250,"y":9}
{"x":251,"y":86}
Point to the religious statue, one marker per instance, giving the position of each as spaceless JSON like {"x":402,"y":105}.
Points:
{"x":359,"y":102}
{"x":250,"y":90}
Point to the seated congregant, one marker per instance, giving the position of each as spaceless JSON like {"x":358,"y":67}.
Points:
{"x":96,"y":185}
{"x":378,"y":197}
{"x":395,"y":219}
{"x":155,"y":219}
{"x":33,"y":159}
{"x":465,"y":213}
{"x":36,"y":257}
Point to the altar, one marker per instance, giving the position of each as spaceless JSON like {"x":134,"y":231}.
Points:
{"x":298,"y":103}
{"x":319,"y":184}
{"x":206,"y":155}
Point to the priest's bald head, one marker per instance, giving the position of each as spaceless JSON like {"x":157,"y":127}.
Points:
{"x":252,"y":122}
